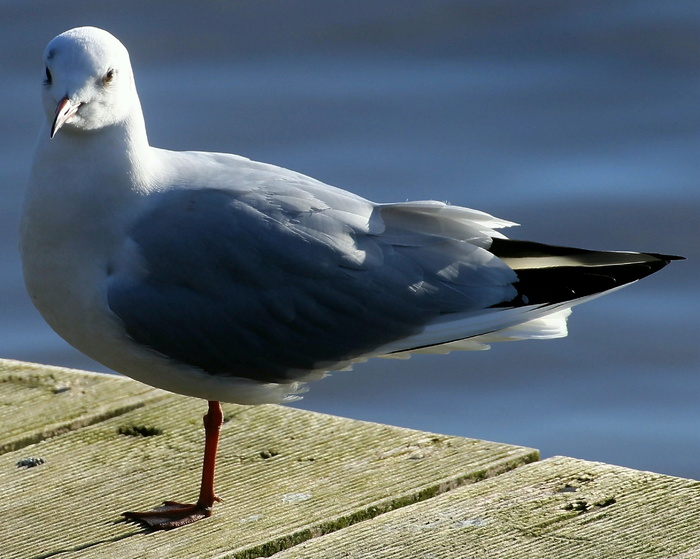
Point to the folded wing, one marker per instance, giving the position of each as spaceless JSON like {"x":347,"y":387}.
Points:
{"x":276,"y":285}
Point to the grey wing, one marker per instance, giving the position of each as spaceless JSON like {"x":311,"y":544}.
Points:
{"x":274,"y":285}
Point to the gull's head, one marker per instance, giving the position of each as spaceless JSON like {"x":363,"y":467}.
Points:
{"x":88,"y":82}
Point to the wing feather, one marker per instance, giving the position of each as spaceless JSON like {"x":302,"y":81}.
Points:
{"x":271,"y":284}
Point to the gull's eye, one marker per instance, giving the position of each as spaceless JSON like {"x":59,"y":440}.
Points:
{"x":109,"y":76}
{"x":47,"y":79}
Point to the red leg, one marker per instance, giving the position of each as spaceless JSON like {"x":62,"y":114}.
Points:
{"x":173,"y":514}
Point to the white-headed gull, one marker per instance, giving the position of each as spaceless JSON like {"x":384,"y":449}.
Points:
{"x":214,"y":276}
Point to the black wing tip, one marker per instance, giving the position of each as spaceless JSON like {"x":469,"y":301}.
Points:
{"x":505,"y":248}
{"x":665,"y":257}
{"x":580,"y":273}
{"x":660,"y":261}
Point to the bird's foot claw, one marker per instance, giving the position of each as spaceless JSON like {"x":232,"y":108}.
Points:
{"x":170,"y":514}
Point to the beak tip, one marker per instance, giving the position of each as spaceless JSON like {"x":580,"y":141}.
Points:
{"x":64,"y":112}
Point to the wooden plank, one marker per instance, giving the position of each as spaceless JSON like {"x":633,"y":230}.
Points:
{"x":38,"y":402}
{"x":285,"y":475}
{"x":560,"y":507}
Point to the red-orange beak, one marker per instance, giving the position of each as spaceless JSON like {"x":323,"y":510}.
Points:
{"x":64,"y":112}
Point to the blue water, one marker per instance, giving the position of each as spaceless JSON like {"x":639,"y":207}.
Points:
{"x":578,"y":119}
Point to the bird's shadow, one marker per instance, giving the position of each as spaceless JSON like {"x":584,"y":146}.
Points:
{"x":82,"y":547}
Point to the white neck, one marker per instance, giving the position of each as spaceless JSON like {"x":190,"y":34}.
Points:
{"x":81,"y":184}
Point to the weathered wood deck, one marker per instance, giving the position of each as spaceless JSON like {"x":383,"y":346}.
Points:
{"x":301,"y":484}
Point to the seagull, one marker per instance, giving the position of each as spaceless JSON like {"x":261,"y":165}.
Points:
{"x":226,"y":279}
